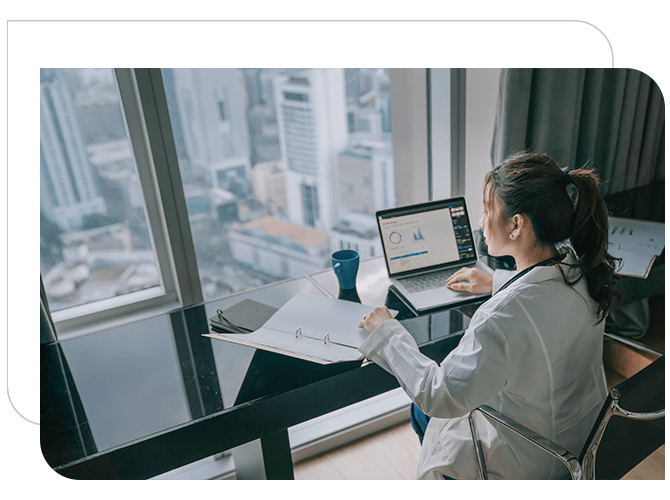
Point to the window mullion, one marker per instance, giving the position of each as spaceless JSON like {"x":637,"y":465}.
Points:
{"x":446,"y":132}
{"x":163,"y":178}
{"x":457,"y":130}
{"x":409,"y":122}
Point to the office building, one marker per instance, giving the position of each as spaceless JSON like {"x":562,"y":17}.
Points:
{"x":356,"y":231}
{"x":366,"y":181}
{"x":279,"y":249}
{"x":68,"y":192}
{"x":225,"y":205}
{"x":114,"y":163}
{"x":212,"y":118}
{"x":311,"y":118}
{"x":269,"y":186}
{"x":369,"y":102}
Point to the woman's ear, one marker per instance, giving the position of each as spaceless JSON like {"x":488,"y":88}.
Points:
{"x":524,"y":225}
{"x":518,"y":222}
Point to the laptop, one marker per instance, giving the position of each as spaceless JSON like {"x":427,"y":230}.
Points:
{"x":423,"y":245}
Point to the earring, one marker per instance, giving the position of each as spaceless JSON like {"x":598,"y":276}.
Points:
{"x":511,"y":236}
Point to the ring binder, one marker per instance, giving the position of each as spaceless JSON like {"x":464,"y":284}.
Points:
{"x":243,"y":317}
{"x":331,"y":341}
{"x":229,"y":325}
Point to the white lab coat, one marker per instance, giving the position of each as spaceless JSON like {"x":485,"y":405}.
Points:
{"x":533,"y":352}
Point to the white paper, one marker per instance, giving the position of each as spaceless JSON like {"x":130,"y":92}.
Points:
{"x":637,"y":236}
{"x":637,"y":243}
{"x":633,"y":263}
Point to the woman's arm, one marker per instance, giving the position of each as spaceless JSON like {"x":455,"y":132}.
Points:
{"x":470,"y":375}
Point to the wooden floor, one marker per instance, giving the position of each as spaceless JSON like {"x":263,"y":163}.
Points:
{"x":394,"y":454}
{"x":389,"y":454}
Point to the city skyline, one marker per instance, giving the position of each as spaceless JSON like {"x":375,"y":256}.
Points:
{"x":298,"y":126}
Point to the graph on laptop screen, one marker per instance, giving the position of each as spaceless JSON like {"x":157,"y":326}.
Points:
{"x":426,"y":238}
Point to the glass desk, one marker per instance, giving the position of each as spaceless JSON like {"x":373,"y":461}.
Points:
{"x":141,"y":399}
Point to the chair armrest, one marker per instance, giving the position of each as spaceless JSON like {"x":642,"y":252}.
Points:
{"x":638,"y":415}
{"x":635,"y":345}
{"x":567,"y":458}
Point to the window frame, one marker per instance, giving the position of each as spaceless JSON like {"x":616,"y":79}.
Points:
{"x":152,"y":144}
{"x":421,"y":115}
{"x":446,"y":118}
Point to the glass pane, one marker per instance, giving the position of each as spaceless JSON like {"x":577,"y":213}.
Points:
{"x":280,"y":168}
{"x":94,"y":238}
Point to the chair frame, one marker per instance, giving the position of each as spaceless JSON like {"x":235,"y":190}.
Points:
{"x":587,"y":468}
{"x":567,"y":458}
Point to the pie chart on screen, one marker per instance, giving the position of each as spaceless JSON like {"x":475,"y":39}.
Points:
{"x":395,"y":237}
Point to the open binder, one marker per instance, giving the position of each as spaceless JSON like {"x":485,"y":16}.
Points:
{"x":311,"y":327}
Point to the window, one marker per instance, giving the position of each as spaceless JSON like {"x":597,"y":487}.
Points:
{"x":310,"y":206}
{"x":293,"y":96}
{"x":244,"y":165}
{"x":296,"y":136}
{"x":95,"y":241}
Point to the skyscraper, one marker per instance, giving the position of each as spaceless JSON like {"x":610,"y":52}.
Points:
{"x":211,"y":109}
{"x":366,"y":181}
{"x":68,"y":191}
{"x":311,"y":119}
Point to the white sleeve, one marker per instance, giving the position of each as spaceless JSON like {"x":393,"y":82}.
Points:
{"x":470,"y":375}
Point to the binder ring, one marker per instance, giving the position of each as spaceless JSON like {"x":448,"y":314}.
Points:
{"x":326,"y":338}
{"x":219,"y":313}
{"x":298,"y":332}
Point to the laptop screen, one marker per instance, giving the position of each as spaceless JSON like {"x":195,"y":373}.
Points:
{"x":426,"y":236}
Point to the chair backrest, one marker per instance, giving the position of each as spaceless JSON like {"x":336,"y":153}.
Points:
{"x":618,"y":442}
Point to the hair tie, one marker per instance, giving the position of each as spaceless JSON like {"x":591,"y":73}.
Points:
{"x":567,"y":178}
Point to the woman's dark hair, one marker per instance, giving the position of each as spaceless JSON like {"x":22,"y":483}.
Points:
{"x":532,"y":184}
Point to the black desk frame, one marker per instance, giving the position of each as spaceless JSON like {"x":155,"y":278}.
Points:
{"x":265,"y":418}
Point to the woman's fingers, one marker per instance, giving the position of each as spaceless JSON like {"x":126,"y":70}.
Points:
{"x":461,"y":286}
{"x":372,"y":320}
{"x":471,"y":279}
{"x":460,"y":275}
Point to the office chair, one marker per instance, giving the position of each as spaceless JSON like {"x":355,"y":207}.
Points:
{"x":630,"y":426}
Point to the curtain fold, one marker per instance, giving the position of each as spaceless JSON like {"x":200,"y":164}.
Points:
{"x":612,"y":120}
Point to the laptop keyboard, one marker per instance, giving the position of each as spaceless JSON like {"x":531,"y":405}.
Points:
{"x":427,"y":281}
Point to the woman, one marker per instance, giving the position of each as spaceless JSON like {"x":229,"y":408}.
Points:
{"x":534,"y":350}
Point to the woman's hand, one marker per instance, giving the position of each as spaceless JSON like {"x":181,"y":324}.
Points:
{"x":471,"y":279}
{"x":375,"y":318}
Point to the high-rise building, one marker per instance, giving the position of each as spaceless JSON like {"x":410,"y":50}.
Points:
{"x":365,"y":186}
{"x":211,"y":108}
{"x":366,"y":182}
{"x":311,"y":119}
{"x":369,"y":102}
{"x":68,"y":191}
{"x":269,"y":186}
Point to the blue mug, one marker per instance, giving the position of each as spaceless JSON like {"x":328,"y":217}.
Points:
{"x":345,"y":265}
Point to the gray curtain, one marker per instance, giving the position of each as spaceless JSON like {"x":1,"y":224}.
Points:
{"x":47,"y":328}
{"x":612,"y":119}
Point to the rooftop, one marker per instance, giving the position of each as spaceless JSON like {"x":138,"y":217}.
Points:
{"x":284,"y":230}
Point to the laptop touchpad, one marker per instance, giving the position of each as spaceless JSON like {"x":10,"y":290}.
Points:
{"x":447,"y":294}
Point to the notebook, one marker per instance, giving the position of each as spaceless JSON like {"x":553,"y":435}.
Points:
{"x":423,"y":245}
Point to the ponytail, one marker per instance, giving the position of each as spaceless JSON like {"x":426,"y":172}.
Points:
{"x":590,"y":240}
{"x":532,"y":184}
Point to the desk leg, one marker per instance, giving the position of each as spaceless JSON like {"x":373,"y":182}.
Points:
{"x":277,"y":456}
